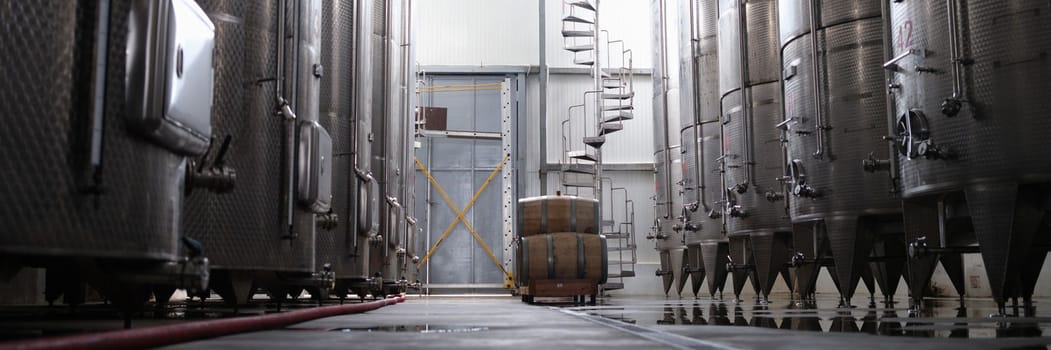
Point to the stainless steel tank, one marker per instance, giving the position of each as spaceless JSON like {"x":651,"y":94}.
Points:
{"x":262,"y":233}
{"x":400,"y":157}
{"x":707,"y":245}
{"x":390,"y":151}
{"x":342,"y":247}
{"x":363,"y":220}
{"x":712,"y":240}
{"x":843,"y":193}
{"x":378,"y":249}
{"x":668,"y":232}
{"x":98,"y":130}
{"x":407,"y":250}
{"x":752,"y":157}
{"x":969,"y":81}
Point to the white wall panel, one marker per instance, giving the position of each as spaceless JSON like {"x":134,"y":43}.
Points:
{"x":626,"y":20}
{"x":505,"y":32}
{"x":632,"y":145}
{"x":532,"y":132}
{"x":477,"y":32}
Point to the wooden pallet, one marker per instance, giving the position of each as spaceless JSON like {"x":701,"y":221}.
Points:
{"x":551,"y":288}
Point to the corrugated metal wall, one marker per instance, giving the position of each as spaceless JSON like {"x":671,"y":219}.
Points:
{"x":633,"y":145}
{"x":532,"y":124}
{"x":477,"y":32}
{"x":504,"y":32}
{"x":625,"y":20}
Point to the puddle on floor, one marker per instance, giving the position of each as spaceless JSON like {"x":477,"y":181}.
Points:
{"x":938,"y":318}
{"x":422,"y":328}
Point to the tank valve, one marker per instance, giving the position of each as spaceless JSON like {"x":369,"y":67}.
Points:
{"x":928,"y":70}
{"x":740,"y":188}
{"x":325,"y":278}
{"x":217,"y":177}
{"x":797,"y":259}
{"x":736,"y":211}
{"x":714,"y":214}
{"x":804,"y":190}
{"x":951,"y":107}
{"x":375,"y":238}
{"x":692,"y":227}
{"x":918,"y":248}
{"x":327,"y":221}
{"x":929,"y":150}
{"x":774,"y":196}
{"x":872,"y":164}
{"x":692,"y":206}
{"x":415,"y":260}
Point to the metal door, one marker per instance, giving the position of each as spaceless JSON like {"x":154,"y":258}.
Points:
{"x":461,"y":159}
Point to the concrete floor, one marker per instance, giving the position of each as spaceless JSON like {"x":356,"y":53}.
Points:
{"x":650,"y":323}
{"x":440,"y":323}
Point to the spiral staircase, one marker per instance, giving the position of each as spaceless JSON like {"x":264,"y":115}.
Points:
{"x":603,"y":111}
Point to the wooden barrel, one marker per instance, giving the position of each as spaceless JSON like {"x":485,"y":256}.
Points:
{"x":563,"y":255}
{"x":547,"y":214}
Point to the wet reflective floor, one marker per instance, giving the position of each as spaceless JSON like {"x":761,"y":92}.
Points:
{"x":937,"y":319}
{"x":25,"y":322}
{"x":418,"y":328}
{"x":474,"y":322}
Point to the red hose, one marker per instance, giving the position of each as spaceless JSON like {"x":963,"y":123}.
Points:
{"x":150,"y":337}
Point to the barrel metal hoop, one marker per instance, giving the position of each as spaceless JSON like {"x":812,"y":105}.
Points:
{"x":520,"y":223}
{"x":550,"y":255}
{"x":523,"y":273}
{"x":598,"y":219}
{"x":543,"y":216}
{"x":573,"y":215}
{"x":581,"y":261}
{"x":604,"y":250}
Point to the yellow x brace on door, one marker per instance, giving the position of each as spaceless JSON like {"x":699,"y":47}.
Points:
{"x":460,"y":215}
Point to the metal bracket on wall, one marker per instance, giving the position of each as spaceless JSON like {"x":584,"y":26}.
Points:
{"x":508,"y":195}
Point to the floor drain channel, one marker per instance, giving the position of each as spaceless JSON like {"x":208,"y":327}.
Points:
{"x":665,"y":338}
{"x":419,"y":328}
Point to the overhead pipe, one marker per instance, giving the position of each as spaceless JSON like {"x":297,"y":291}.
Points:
{"x":408,"y":119}
{"x":387,"y":232}
{"x":663,"y":119}
{"x":92,"y":176}
{"x":363,"y":175}
{"x":543,"y":97}
{"x":694,"y":99}
{"x":408,"y":116}
{"x":746,"y":97}
{"x":151,"y":337}
{"x":888,"y":54}
{"x":815,"y":66}
{"x":285,"y":109}
{"x":952,"y":105}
